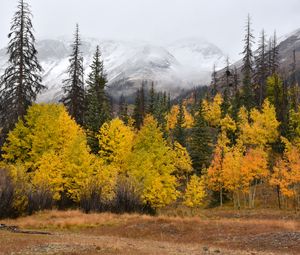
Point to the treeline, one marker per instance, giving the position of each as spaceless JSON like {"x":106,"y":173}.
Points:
{"x":237,"y":141}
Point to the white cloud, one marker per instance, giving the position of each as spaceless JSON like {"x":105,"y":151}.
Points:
{"x":161,"y":21}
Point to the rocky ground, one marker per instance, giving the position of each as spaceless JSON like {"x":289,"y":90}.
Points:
{"x":74,"y":233}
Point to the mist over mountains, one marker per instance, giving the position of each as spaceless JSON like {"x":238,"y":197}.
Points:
{"x":174,"y":67}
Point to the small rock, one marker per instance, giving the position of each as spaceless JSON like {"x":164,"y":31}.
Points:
{"x":205,"y":248}
{"x":217,"y":251}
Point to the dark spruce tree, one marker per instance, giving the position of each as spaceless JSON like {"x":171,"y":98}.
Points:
{"x":139,"y":108}
{"x":179,"y":130}
{"x":248,"y":99}
{"x":236,"y":100}
{"x":97,"y":103}
{"x":160,"y":110}
{"x":151,"y":101}
{"x":123,"y":110}
{"x":261,"y":70}
{"x":201,"y":143}
{"x":73,"y":87}
{"x":21,"y":81}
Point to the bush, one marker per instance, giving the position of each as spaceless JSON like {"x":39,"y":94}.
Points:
{"x":127,"y":199}
{"x":91,"y":200}
{"x":7,"y":190}
{"x":39,"y":199}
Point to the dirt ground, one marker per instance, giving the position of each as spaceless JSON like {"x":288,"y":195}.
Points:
{"x":212,"y":232}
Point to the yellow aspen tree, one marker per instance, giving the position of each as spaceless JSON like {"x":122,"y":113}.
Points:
{"x":182,"y":162}
{"x":50,"y":145}
{"x":115,"y":142}
{"x":286,"y":173}
{"x":212,"y":111}
{"x":195,"y":192}
{"x":214,"y":176}
{"x":262,"y":129}
{"x":151,"y":165}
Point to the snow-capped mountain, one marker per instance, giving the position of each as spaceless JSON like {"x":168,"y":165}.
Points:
{"x":180,"y":65}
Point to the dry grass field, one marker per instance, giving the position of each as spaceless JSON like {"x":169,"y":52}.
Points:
{"x":210,"y":232}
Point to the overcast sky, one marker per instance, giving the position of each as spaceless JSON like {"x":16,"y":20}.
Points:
{"x":158,"y":21}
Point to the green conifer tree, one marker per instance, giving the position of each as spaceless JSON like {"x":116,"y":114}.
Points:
{"x":97,"y":103}
{"x":201,"y":143}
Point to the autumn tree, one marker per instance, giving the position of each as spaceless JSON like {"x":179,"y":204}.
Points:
{"x":53,"y":150}
{"x":212,"y":111}
{"x":195,"y":192}
{"x":286,"y":173}
{"x":115,"y":142}
{"x":151,"y":165}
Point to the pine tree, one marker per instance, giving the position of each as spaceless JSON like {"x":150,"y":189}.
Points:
{"x":97,"y":104}
{"x":261,"y":70}
{"x":151,"y":102}
{"x":139,"y":108}
{"x":160,"y":110}
{"x":179,"y":131}
{"x":123,"y":109}
{"x":74,"y":86}
{"x":201,"y":143}
{"x":21,"y":81}
{"x":247,"y":68}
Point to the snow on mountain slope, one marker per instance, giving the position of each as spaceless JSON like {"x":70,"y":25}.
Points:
{"x":180,"y":65}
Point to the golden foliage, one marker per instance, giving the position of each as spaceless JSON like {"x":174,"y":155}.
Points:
{"x":172,"y":118}
{"x":212,"y":110}
{"x":195,"y":192}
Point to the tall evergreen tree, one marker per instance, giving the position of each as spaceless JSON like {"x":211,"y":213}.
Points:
{"x":161,"y":109}
{"x":261,"y":70}
{"x":200,"y":145}
{"x":123,"y":109}
{"x":21,"y":81}
{"x":247,"y":68}
{"x":97,"y":103}
{"x":139,"y":108}
{"x":151,"y":101}
{"x":179,"y":130}
{"x":74,"y":86}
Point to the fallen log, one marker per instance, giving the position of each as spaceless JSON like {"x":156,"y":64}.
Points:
{"x":16,"y":229}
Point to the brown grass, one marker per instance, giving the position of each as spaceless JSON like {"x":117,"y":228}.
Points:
{"x":256,"y":231}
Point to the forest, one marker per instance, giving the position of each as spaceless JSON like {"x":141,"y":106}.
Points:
{"x":234,"y":143}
